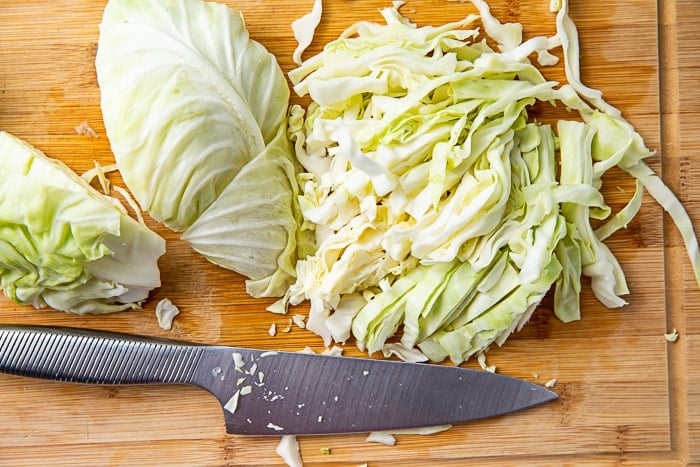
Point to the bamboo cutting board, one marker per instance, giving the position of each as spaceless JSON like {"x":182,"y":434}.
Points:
{"x":627,"y":396}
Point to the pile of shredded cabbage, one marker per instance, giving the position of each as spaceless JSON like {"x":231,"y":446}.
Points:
{"x":442,"y":213}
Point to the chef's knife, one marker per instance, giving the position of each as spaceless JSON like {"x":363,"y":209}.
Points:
{"x":265,"y":392}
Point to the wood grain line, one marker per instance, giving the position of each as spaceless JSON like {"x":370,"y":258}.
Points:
{"x":672,"y":100}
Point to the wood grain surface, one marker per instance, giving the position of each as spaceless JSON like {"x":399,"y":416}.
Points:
{"x":627,"y":396}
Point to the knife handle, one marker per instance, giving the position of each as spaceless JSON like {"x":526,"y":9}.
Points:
{"x":95,"y":357}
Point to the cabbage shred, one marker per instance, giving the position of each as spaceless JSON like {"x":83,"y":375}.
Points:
{"x":439,"y":207}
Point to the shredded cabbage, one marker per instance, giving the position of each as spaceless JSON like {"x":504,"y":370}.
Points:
{"x":438,"y":206}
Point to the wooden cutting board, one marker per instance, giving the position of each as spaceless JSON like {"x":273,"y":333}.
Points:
{"x":627,"y":396}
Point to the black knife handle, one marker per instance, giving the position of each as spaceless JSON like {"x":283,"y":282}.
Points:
{"x":95,"y":357}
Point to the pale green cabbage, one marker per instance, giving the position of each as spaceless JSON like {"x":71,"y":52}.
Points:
{"x":441,"y":212}
{"x":253,"y":221}
{"x":193,"y":109}
{"x":63,"y":244}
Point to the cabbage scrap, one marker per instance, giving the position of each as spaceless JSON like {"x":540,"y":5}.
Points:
{"x":65,"y":245}
{"x":440,"y":212}
{"x":288,"y":450}
{"x":304,"y":29}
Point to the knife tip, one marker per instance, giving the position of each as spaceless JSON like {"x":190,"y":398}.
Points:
{"x":545,"y":394}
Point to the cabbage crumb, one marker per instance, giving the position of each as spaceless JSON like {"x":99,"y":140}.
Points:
{"x":671,"y":336}
{"x":334,"y":351}
{"x":238,"y":361}
{"x":288,"y":450}
{"x":232,"y":403}
{"x":481,"y":358}
{"x":84,"y":129}
{"x":381,"y":437}
{"x":166,"y":312}
{"x":299,"y":321}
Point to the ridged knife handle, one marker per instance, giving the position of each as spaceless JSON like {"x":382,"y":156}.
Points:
{"x":94,"y":357}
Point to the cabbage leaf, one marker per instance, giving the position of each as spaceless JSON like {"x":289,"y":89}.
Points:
{"x":187,"y":100}
{"x":252,"y":233}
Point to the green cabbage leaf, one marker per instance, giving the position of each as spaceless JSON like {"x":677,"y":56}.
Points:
{"x":254,"y":232}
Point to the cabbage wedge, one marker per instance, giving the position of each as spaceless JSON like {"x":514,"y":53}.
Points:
{"x":194,"y":110}
{"x":65,"y":245}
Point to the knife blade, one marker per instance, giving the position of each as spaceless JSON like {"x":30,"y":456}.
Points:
{"x":268,"y":392}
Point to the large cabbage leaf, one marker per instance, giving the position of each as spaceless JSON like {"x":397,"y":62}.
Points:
{"x":65,"y":245}
{"x":187,"y":100}
{"x":251,"y":231}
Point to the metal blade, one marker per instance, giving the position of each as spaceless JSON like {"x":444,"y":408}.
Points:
{"x":273,"y":392}
{"x":294,"y":393}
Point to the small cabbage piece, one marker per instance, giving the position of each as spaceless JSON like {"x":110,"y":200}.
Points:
{"x":195,"y":112}
{"x":288,"y":450}
{"x":166,"y":311}
{"x":304,"y":28}
{"x":65,"y":245}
